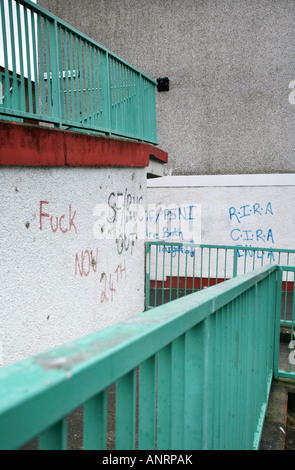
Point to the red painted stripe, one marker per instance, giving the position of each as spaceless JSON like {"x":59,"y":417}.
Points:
{"x":183,"y":282}
{"x":29,"y":145}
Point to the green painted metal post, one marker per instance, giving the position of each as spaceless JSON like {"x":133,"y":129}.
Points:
{"x":55,"y":72}
{"x":125,"y":412}
{"x":147,"y":275}
{"x":106,"y":97}
{"x":147,"y":404}
{"x":277,"y":322}
{"x":95,"y":422}
{"x":55,"y":437}
{"x":235,"y":262}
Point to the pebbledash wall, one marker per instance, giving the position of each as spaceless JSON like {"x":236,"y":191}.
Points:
{"x":230,"y":108}
{"x":72,"y":248}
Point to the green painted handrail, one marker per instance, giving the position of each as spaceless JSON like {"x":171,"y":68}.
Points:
{"x":52,"y":72}
{"x":174,"y":268}
{"x":191,"y":374}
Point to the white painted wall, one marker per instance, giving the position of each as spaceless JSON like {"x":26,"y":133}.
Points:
{"x":47,"y":296}
{"x":246,"y":210}
{"x":250,"y":210}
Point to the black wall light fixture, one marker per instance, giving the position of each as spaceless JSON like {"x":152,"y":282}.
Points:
{"x":163,"y":84}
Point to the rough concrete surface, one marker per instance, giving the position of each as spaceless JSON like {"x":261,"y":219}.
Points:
{"x":230,"y":64}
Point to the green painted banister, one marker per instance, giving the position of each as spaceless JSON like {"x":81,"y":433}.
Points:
{"x":51,"y":72}
{"x":204,"y":362}
{"x":174,"y":269}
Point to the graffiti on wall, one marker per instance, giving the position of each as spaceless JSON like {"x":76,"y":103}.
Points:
{"x":252,"y":225}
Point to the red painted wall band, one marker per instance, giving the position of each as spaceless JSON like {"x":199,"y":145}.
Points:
{"x":198,"y":283}
{"x":29,"y":145}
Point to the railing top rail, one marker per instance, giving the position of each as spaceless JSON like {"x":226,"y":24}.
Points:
{"x":101,"y":358}
{"x":287,"y":268}
{"x":38,"y":9}
{"x":222,"y":247}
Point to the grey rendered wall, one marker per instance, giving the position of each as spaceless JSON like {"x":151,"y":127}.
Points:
{"x":230,"y":63}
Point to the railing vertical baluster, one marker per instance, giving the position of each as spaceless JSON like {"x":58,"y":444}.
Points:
{"x":207,"y":375}
{"x":66,"y":78}
{"x":41,"y":65}
{"x":195,"y":343}
{"x":36,"y":108}
{"x":6,"y":90}
{"x":217,"y":255}
{"x":114,"y":93}
{"x":245,"y":261}
{"x":14,"y":86}
{"x":171,"y":273}
{"x":178,"y":270}
{"x":105,"y":85}
{"x":28,"y":57}
{"x":147,"y":405}
{"x":235,"y":262}
{"x":81,"y":70}
{"x":71,"y":79}
{"x":21,"y":61}
{"x":163,"y":276}
{"x":164,"y":399}
{"x":95,"y":422}
{"x":201,"y":274}
{"x":90,"y":65}
{"x":86,"y":83}
{"x":147,"y":276}
{"x":232,"y":391}
{"x":177,"y":393}
{"x":250,"y":351}
{"x":185,"y":274}
{"x":61,"y":68}
{"x":77,"y":71}
{"x":225,"y":262}
{"x":55,"y":437}
{"x":255,"y":255}
{"x":286,"y":290}
{"x":55,"y":72}
{"x":125,"y":412}
{"x":139,"y":92}
{"x":219,"y":379}
{"x":47,"y":68}
{"x":292,"y":337}
{"x":95,"y":86}
{"x":156,"y":276}
{"x":209,"y":263}
{"x":194,"y":268}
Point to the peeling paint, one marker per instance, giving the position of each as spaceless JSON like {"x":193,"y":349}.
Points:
{"x":51,"y":362}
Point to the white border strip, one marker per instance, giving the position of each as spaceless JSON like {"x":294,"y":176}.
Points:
{"x":222,"y":180}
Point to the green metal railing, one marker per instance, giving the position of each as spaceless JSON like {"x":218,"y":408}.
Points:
{"x":174,"y":270}
{"x":286,"y":314}
{"x":191,"y":374}
{"x":51,"y":72}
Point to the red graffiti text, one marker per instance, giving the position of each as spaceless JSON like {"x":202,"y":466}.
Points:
{"x":110,"y":281}
{"x":64,"y":223}
{"x":86,"y":262}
